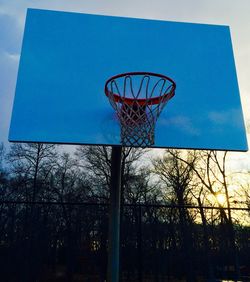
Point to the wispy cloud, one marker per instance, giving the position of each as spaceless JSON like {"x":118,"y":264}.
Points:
{"x":183,"y":123}
{"x":232,"y":117}
{"x":12,"y":57}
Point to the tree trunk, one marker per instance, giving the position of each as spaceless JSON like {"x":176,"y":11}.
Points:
{"x":207,"y":248}
{"x":187,"y":242}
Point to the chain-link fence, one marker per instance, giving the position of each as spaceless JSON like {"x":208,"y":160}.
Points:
{"x":68,"y":242}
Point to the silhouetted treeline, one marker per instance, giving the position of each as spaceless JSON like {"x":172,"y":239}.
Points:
{"x":54,"y":215}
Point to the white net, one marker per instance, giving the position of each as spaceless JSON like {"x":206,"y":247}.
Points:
{"x":138,"y":99}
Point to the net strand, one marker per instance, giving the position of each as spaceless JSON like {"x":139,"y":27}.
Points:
{"x":139,"y":115}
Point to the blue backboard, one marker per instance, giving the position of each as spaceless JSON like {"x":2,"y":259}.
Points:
{"x":66,"y":59}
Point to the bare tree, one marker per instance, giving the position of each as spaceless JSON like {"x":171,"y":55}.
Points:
{"x":96,"y":160}
{"x":210,"y":169}
{"x":177,"y":177}
{"x":2,"y":171}
{"x":2,"y":151}
{"x":31,"y":165}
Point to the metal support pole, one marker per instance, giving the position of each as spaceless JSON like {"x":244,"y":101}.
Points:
{"x":114,"y":215}
{"x":139,"y":241}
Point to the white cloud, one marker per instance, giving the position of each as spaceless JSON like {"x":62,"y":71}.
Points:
{"x":8,"y":73}
{"x":13,"y":57}
{"x":232,"y":117}
{"x":245,"y":100}
{"x":183,"y":123}
{"x":238,"y":162}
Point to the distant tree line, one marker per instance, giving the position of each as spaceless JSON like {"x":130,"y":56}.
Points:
{"x":54,"y":208}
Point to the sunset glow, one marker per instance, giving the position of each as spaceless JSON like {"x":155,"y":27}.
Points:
{"x":221,"y":198}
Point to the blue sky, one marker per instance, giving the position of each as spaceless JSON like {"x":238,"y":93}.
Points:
{"x":223,"y":12}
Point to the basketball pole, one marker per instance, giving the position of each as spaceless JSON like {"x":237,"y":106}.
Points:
{"x":114,"y":216}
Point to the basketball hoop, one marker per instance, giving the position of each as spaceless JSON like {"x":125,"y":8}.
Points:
{"x":138,"y":99}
